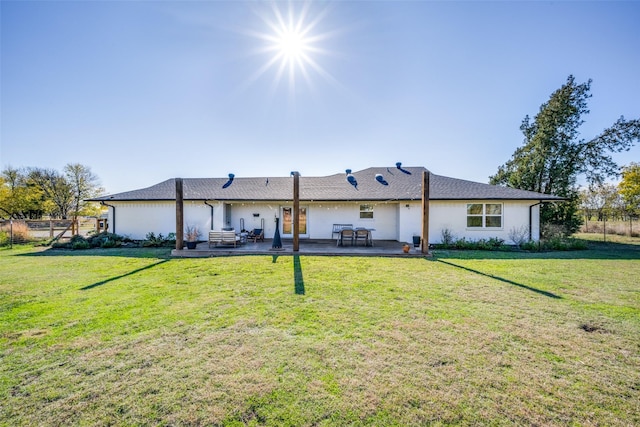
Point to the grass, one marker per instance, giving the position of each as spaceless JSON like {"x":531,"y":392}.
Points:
{"x":132,"y":337}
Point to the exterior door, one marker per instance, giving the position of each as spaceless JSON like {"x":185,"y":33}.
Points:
{"x":287,"y":222}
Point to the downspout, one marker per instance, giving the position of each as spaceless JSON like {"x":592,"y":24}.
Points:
{"x":114,"y":215}
{"x":531,"y":219}
{"x":211,"y":206}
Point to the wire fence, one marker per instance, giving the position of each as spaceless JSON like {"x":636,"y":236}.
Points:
{"x":26,"y":231}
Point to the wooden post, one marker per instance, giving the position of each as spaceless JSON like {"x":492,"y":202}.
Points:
{"x":51,"y":229}
{"x":424,"y":241}
{"x":296,"y":211}
{"x":179,"y":215}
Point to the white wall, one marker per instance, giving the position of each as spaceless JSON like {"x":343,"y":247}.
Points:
{"x":410,"y":221}
{"x":391,"y":221}
{"x":136,"y":219}
{"x":245,"y":210}
{"x":452,"y":215}
{"x":322,"y":216}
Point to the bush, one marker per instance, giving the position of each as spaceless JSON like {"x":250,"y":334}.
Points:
{"x":20,"y":232}
{"x":519,"y":236}
{"x":110,"y":243}
{"x":553,"y":231}
{"x":106,"y":240}
{"x":151,"y":240}
{"x":491,"y":244}
{"x":80,"y":244}
{"x":4,"y":238}
{"x":556,"y":244}
{"x":447,"y":238}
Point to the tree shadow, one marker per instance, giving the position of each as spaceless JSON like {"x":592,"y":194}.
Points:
{"x":161,"y":253}
{"x":298,"y":280}
{"x":104,"y":282}
{"x":502,"y":279}
{"x":596,"y":250}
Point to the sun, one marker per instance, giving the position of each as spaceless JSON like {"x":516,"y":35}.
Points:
{"x":292,"y":44}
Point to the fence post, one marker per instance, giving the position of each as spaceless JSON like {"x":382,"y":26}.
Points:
{"x":51,"y":229}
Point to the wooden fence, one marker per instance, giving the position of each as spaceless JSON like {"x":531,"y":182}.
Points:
{"x":22,"y":231}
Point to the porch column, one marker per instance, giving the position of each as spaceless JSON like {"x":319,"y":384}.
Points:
{"x":296,"y":211}
{"x":179,"y":215}
{"x":424,"y":241}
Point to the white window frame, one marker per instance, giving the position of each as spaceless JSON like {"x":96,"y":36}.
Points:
{"x":484,"y":216}
{"x":367,"y":209}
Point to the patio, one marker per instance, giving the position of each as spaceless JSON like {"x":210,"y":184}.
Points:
{"x":307,"y":247}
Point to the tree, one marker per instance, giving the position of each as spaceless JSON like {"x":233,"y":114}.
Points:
{"x":553,"y":156}
{"x":629,"y":187}
{"x":601,"y":199}
{"x":19,"y":199}
{"x":84,"y":185}
{"x":55,"y":188}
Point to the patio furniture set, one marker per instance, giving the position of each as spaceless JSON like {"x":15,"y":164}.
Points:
{"x":346,"y":233}
{"x":230,"y":237}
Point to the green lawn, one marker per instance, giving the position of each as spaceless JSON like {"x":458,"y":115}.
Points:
{"x":132,"y":337}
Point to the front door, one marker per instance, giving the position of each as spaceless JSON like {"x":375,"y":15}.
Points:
{"x":287,"y":222}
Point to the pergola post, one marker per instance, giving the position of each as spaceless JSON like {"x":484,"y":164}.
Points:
{"x":296,"y":211}
{"x":424,"y":241}
{"x":179,"y":215}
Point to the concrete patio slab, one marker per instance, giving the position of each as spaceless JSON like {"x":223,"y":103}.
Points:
{"x":381,"y":248}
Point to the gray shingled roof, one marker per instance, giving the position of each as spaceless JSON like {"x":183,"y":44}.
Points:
{"x":401,"y":186}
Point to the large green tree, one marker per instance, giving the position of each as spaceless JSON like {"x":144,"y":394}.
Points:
{"x":55,"y":187}
{"x":84,"y":185}
{"x":553,"y":155}
{"x":33,"y":192}
{"x":18,"y":198}
{"x":629,"y":188}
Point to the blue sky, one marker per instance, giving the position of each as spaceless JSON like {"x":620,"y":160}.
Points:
{"x":143,"y":91}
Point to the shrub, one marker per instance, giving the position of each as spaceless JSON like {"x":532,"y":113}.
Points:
{"x":447,"y":237}
{"x":552,"y":231}
{"x":555,"y":244}
{"x":519,"y":236}
{"x":110,"y":243}
{"x":80,"y":244}
{"x":4,"y":238}
{"x":106,"y":240}
{"x":20,"y":232}
{"x":151,"y":240}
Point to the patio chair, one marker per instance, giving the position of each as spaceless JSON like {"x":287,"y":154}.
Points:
{"x":338,"y":227}
{"x":256,"y":234}
{"x":362,"y":234}
{"x":345,"y":233}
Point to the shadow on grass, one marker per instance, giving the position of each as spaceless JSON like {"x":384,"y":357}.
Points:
{"x":502,"y":279}
{"x":298,"y":280}
{"x":162,"y":253}
{"x":138,"y":270}
{"x":596,"y":250}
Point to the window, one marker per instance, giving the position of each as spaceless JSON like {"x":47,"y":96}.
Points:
{"x":484,"y":215}
{"x":366,"y":211}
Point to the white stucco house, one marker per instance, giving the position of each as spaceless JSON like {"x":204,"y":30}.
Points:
{"x":391,"y":205}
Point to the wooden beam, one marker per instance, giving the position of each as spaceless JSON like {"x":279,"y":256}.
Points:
{"x":424,"y":242}
{"x":179,"y":214}
{"x":296,"y":211}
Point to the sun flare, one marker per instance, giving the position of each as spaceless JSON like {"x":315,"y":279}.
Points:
{"x":291,"y":44}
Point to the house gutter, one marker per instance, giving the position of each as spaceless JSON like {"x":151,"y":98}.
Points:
{"x":211,"y":206}
{"x":114,"y":214}
{"x":531,"y":219}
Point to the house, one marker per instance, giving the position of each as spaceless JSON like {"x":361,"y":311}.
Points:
{"x":386,"y":199}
